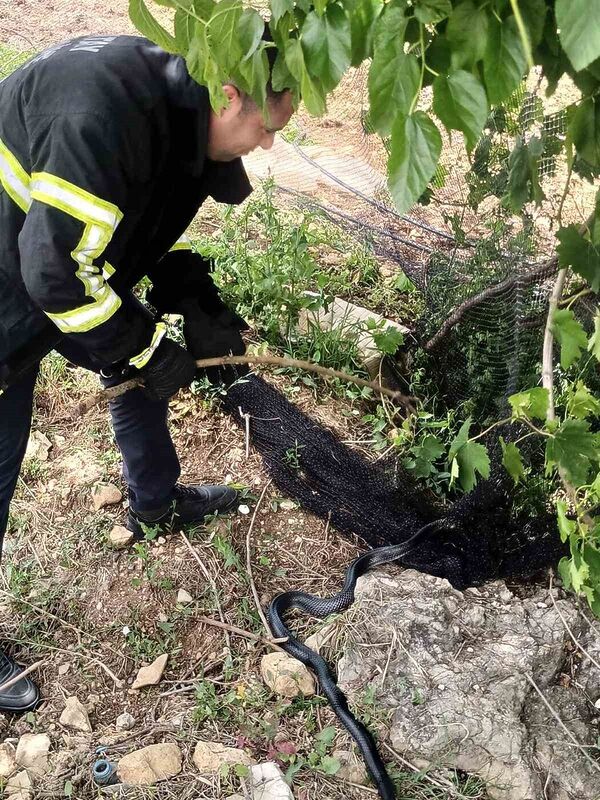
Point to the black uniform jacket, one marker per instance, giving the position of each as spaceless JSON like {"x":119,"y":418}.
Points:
{"x":102,"y":167}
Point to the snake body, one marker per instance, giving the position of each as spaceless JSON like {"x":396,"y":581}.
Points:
{"x":322,"y":607}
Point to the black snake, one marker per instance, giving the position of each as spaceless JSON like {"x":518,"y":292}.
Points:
{"x":323,"y":607}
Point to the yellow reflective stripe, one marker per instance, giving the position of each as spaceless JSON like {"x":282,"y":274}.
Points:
{"x":100,"y":220}
{"x":14,"y":179}
{"x":183,"y":243}
{"x":142,"y":358}
{"x":89,"y":316}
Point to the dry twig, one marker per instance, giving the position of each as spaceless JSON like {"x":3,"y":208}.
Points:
{"x":274,"y":643}
{"x":261,"y":613}
{"x":7,"y":684}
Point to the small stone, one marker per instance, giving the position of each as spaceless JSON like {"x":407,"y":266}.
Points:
{"x":151,"y":764}
{"x":209,"y":757}
{"x":184,"y":597}
{"x":75,"y":716}
{"x":597,"y":703}
{"x":151,"y":675}
{"x":8,"y":762}
{"x":63,"y":669}
{"x":32,"y":752}
{"x":350,"y":768}
{"x":18,"y":787}
{"x":243,"y":509}
{"x":120,"y":537}
{"x":288,"y":505}
{"x":125,"y":722}
{"x":268,"y":783}
{"x":286,"y":676}
{"x":105,"y":494}
{"x":161,"y":540}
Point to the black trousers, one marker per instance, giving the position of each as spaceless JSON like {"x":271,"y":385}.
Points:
{"x":150,"y":463}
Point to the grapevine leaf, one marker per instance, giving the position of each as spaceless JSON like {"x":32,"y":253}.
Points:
{"x":594,"y":342}
{"x":460,"y":102}
{"x":461,"y":438}
{"x":583,"y":403}
{"x":511,"y":459}
{"x":363,"y":18}
{"x":570,"y":334}
{"x":472,"y":458}
{"x":578,"y":22}
{"x":427,"y":11}
{"x":566,"y":526}
{"x":415,"y":150}
{"x":505,"y":62}
{"x":326,"y":45}
{"x":148,"y":26}
{"x":580,"y":254}
{"x":584,"y":129}
{"x":280,"y":7}
{"x":530,"y":404}
{"x":467,"y":32}
{"x":425,"y":454}
{"x":250,"y":30}
{"x":573,"y":448}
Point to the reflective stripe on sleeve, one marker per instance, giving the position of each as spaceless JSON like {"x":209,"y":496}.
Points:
{"x":14,"y":179}
{"x":100,"y":219}
{"x":142,"y":358}
{"x":183,"y":243}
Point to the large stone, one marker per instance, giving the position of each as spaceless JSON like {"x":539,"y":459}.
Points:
{"x":151,"y":764}
{"x":19,"y":786}
{"x":268,"y":783}
{"x":286,"y":676}
{"x":120,"y":537}
{"x":32,"y":752}
{"x":455,"y":668}
{"x":38,"y":447}
{"x":209,"y":757}
{"x":151,"y":675}
{"x":105,"y":494}
{"x":8,"y":762}
{"x":75,"y":716}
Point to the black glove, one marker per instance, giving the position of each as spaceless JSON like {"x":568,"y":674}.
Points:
{"x":170,"y":369}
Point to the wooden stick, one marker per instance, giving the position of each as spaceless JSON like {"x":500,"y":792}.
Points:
{"x":261,"y":613}
{"x":21,"y":675}
{"x":105,"y":395}
{"x":274,"y":643}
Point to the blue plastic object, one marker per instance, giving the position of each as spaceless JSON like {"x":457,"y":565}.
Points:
{"x":104,"y":772}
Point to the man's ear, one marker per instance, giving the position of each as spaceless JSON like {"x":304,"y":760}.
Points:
{"x":232,"y":93}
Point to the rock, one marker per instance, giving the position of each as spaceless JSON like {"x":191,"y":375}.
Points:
{"x":105,"y":494}
{"x":457,"y":682}
{"x":351,"y":768}
{"x":151,"y":764}
{"x":63,"y":669}
{"x":125,"y":722}
{"x":38,"y":447}
{"x":120,"y":537}
{"x":19,"y":786}
{"x":32,"y":752}
{"x":209,"y":757}
{"x":288,"y":505}
{"x":151,"y":675}
{"x":8,"y":762}
{"x":286,"y":676}
{"x":268,"y":783}
{"x":78,"y":469}
{"x":184,"y":597}
{"x":75,"y":716}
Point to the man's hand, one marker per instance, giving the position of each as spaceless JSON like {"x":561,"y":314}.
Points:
{"x":170,"y":369}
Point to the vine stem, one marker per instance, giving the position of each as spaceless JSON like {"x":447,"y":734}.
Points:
{"x":547,"y":352}
{"x":522,"y":33}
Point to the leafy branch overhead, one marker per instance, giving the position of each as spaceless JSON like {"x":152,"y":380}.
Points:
{"x":473,"y":54}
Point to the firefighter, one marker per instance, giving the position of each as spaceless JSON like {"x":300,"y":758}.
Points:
{"x":107,"y":150}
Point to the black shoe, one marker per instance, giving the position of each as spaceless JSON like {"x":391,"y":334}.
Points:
{"x":190,"y":505}
{"x":23,"y":695}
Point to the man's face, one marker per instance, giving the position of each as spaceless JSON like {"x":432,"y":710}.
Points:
{"x":241,"y":128}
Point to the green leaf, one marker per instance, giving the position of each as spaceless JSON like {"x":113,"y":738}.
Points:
{"x":505,"y":62}
{"x":416,"y":145}
{"x":330,"y":765}
{"x":387,"y":340}
{"x":428,"y":451}
{"x":250,"y":30}
{"x":511,"y":460}
{"x":573,"y":448}
{"x":311,"y":90}
{"x":566,"y":526}
{"x":468,"y":458}
{"x":532,"y":404}
{"x":578,"y":22}
{"x":570,"y":334}
{"x":363,"y":18}
{"x":594,"y":342}
{"x":280,"y":7}
{"x":223,"y":34}
{"x":281,"y":77}
{"x":534,"y":16}
{"x":326,"y":44}
{"x":204,"y":69}
{"x":460,"y":102}
{"x":580,"y":254}
{"x":584,"y":130}
{"x":427,"y":11}
{"x":148,"y":26}
{"x":467,"y":32}
{"x":254,"y":72}
{"x":523,"y":174}
{"x":583,"y":403}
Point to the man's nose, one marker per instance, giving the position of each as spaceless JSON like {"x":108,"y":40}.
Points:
{"x":267,"y":141}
